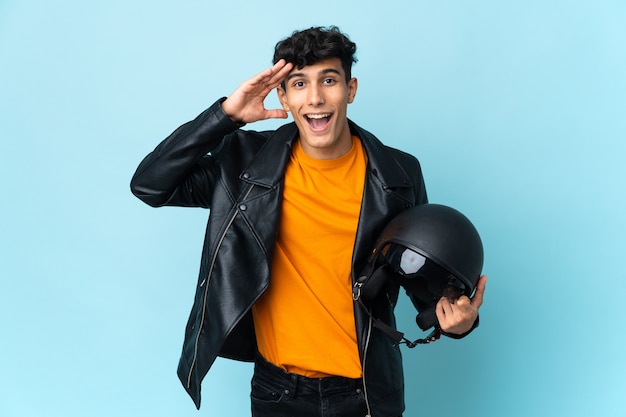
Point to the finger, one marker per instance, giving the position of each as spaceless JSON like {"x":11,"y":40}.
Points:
{"x":265,"y":77}
{"x":282,"y":66}
{"x":281,"y":63}
{"x":440,"y":312}
{"x":477,"y":299}
{"x":445,"y":306}
{"x":265,"y":81}
{"x":463,"y":302}
{"x":276,"y":114}
{"x":280,"y":71}
{"x":445,"y":313}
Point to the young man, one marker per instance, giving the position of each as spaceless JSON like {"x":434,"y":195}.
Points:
{"x":294,"y":214}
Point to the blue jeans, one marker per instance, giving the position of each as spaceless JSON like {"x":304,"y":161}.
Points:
{"x":276,"y":393}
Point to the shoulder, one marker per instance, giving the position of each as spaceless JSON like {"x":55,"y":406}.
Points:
{"x":377,"y":149}
{"x":252,"y":141}
{"x":394,"y":167}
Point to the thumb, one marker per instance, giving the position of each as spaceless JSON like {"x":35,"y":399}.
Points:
{"x":477,"y":299}
{"x":276,"y":114}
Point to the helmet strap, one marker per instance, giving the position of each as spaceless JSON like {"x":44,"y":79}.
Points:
{"x":396,"y":335}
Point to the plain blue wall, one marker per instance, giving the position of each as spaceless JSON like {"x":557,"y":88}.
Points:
{"x":516,"y":110}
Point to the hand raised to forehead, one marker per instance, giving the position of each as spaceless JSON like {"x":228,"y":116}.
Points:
{"x":246,"y":103}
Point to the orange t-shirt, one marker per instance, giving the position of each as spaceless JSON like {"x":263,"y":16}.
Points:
{"x":304,"y":322}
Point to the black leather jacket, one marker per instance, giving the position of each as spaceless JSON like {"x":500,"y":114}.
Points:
{"x":209,"y":162}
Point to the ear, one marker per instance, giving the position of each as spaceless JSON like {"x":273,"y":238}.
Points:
{"x":282,"y":97}
{"x":353,"y":84}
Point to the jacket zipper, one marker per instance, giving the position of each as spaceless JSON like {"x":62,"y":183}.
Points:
{"x":367,"y":342}
{"x":205,"y":283}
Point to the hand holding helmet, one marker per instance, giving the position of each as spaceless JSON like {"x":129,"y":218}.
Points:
{"x":457,"y":316}
{"x":436,"y":254}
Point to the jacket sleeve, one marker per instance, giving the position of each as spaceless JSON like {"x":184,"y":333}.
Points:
{"x":180,"y":171}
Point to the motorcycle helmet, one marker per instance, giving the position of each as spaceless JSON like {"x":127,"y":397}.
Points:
{"x":431,"y":250}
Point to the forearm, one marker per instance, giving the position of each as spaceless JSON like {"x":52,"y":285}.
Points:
{"x":178,"y":163}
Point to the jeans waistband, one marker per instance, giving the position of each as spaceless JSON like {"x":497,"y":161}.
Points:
{"x":295,"y":382}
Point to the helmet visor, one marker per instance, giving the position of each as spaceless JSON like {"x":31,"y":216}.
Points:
{"x":417,"y":269}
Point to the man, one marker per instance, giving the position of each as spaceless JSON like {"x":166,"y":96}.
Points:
{"x":294,"y":214}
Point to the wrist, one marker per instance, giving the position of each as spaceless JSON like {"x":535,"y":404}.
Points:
{"x":225,"y":105}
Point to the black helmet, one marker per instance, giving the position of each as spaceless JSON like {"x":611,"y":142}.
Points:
{"x":432,"y":250}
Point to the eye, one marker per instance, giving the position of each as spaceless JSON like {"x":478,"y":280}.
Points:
{"x":298,"y":84}
{"x":329,"y":81}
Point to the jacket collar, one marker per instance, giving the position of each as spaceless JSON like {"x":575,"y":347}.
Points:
{"x":382,"y":163}
{"x":273,"y":154}
{"x":276,"y":150}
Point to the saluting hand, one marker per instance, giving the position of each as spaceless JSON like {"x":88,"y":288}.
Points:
{"x":246,"y":105}
{"x":458,"y":316}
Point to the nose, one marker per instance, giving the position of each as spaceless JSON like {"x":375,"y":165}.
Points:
{"x":315,"y":96}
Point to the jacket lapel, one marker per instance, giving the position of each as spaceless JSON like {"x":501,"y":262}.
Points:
{"x":388,"y":191}
{"x":268,"y":166}
{"x":388,"y":188}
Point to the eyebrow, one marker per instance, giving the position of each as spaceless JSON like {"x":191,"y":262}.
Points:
{"x":322,"y":72}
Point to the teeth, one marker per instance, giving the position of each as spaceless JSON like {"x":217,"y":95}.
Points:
{"x":317,"y":116}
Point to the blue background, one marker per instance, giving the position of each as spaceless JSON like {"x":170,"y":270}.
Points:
{"x":516,"y":110}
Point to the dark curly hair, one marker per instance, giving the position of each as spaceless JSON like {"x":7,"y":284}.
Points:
{"x":312,"y":45}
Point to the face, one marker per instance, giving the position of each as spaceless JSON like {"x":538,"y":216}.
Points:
{"x":317,"y":97}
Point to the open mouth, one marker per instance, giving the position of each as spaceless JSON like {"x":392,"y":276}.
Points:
{"x":318,"y":121}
